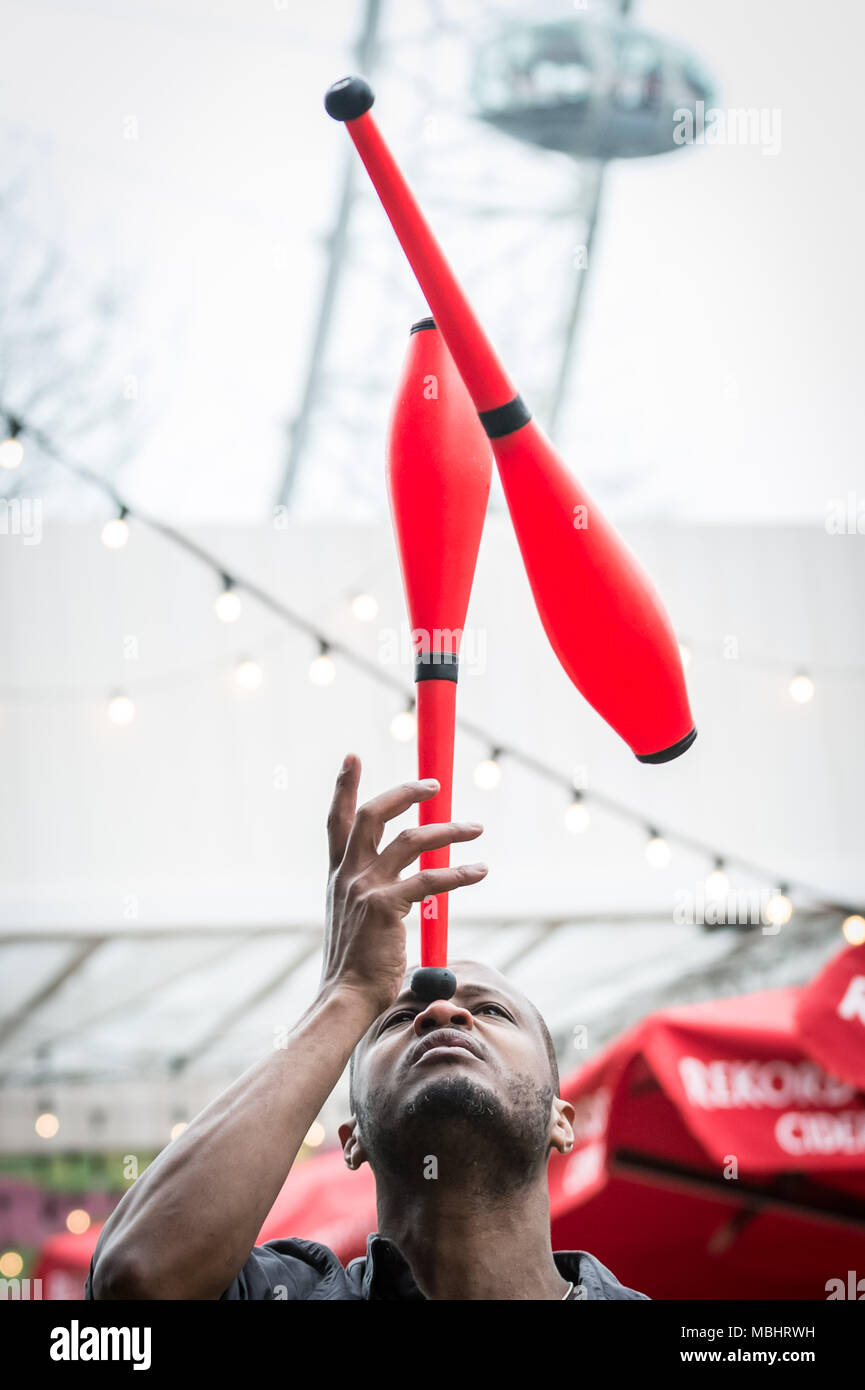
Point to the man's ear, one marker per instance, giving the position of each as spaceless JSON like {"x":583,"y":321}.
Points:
{"x":562,"y":1126}
{"x":352,"y":1145}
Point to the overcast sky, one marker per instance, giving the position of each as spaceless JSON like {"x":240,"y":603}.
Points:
{"x":180,"y":151}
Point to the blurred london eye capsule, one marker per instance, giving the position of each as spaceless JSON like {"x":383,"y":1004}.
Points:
{"x":590,"y":88}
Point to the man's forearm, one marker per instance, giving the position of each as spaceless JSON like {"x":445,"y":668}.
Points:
{"x":186,"y":1227}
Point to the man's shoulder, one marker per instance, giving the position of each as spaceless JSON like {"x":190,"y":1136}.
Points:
{"x":291,"y":1268}
{"x":594,"y":1279}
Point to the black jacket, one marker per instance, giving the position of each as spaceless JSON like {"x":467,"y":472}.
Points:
{"x":302,"y":1269}
{"x":299,"y":1270}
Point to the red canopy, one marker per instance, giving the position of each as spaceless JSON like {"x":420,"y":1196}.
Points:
{"x":715,"y":1158}
{"x":831,"y":1016}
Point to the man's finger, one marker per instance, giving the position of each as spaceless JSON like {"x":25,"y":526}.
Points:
{"x":410,"y":843}
{"x":430,"y":882}
{"x":341,"y":815}
{"x":371,"y":819}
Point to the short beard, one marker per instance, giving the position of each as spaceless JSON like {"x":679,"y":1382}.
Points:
{"x":480,"y":1144}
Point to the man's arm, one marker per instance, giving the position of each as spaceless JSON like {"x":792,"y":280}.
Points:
{"x":187,"y":1225}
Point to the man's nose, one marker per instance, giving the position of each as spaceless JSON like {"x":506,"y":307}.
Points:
{"x":442,"y":1013}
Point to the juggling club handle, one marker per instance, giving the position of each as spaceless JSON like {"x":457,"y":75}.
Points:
{"x":494,"y":394}
{"x":436,"y":710}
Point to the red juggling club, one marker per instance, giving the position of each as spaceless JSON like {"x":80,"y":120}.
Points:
{"x":439,"y":467}
{"x":604,"y":619}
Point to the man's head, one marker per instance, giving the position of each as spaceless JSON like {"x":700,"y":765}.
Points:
{"x":471,"y":1080}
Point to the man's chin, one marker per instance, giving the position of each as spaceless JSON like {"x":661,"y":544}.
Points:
{"x":450,"y":1094}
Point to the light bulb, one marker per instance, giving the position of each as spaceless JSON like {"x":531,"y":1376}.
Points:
{"x":177,"y":1129}
{"x":115,"y":533}
{"x":121,"y":709}
{"x":248,"y":675}
{"x":322,"y":670}
{"x":78,"y":1221}
{"x":685,"y":654}
{"x":779,"y":910}
{"x":801,"y":689}
{"x":853,"y":928}
{"x":403,"y":725}
{"x":717,"y":883}
{"x":577,"y":817}
{"x":658,"y":852}
{"x":11,"y":1264}
{"x":228,"y":605}
{"x":364,"y":607}
{"x":488,"y":774}
{"x":46,"y":1125}
{"x":314,"y":1135}
{"x":11,"y":452}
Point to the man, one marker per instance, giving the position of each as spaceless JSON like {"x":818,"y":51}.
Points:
{"x":455,"y":1107}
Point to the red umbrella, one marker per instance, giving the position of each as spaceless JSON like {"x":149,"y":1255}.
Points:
{"x":715,"y":1158}
{"x":831,"y":1016}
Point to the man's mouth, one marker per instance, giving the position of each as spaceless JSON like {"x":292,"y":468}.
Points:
{"x":445,"y":1040}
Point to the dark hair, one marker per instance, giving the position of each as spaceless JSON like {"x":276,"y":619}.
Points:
{"x":551,"y":1051}
{"x":548,"y":1044}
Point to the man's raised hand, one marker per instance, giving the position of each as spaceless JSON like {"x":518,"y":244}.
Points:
{"x":367,"y":900}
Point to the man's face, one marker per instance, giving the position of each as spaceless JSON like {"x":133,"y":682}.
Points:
{"x":474,"y":1067}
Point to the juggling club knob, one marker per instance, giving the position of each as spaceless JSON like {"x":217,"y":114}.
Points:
{"x":348,"y":98}
{"x":432,"y":982}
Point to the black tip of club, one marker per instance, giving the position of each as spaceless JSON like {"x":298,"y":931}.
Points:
{"x":666,"y":755}
{"x":348,"y":98}
{"x":431,"y":982}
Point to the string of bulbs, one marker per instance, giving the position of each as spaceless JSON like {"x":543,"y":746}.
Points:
{"x":249,"y":676}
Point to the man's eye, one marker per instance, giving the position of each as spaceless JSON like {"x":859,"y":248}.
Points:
{"x":497,"y":1007}
{"x":395,"y":1018}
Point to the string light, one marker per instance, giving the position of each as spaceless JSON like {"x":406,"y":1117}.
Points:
{"x":228,"y":606}
{"x":11,"y":1264}
{"x":115,"y":533}
{"x":802,"y":689}
{"x":853,"y":929}
{"x":121,"y":710}
{"x":177,"y":1129}
{"x":248,"y":674}
{"x":779,"y":908}
{"x":78,"y":1221}
{"x":11,"y":449}
{"x":488,"y":773}
{"x":315,"y":1135}
{"x":403,"y":726}
{"x":46,"y":1125}
{"x":365,"y":607}
{"x":657,"y":850}
{"x":322,"y":670}
{"x":717,"y":882}
{"x":577,"y":818}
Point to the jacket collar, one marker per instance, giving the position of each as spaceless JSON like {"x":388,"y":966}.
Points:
{"x":387,"y":1274}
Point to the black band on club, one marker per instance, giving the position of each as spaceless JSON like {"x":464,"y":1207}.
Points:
{"x":505,"y":419}
{"x":436,"y":666}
